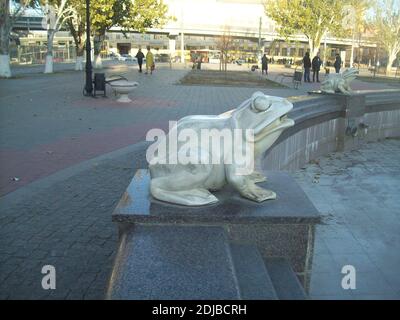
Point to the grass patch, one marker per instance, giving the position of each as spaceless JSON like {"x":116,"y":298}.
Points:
{"x":229,"y":78}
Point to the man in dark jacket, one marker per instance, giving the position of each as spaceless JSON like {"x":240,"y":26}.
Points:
{"x":316,"y":66}
{"x":264,"y":64}
{"x":307,"y":67}
{"x":338,"y":63}
{"x":139,"y":57}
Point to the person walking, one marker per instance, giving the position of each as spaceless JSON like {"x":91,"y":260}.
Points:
{"x":139,"y":56}
{"x":338,"y":63}
{"x":149,"y":61}
{"x":316,"y":67}
{"x":264,"y":64}
{"x":307,"y":67}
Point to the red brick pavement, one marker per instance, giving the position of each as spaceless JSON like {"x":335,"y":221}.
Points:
{"x":45,"y":159}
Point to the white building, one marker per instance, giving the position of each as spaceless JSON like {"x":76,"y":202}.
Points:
{"x":202,"y":22}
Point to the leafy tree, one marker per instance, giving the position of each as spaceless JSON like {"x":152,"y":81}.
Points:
{"x":129,"y":15}
{"x":313,"y":18}
{"x":386,"y":24}
{"x":355,"y":21}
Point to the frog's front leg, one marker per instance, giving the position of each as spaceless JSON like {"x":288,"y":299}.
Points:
{"x":247,"y":187}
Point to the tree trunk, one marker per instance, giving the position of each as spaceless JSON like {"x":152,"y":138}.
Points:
{"x":226,"y":62}
{"x":77,"y":31}
{"x":352,"y":52}
{"x":5,"y":70}
{"x":5,"y":28}
{"x":48,"y":68}
{"x":314,"y":47}
{"x":79,"y":57}
{"x":391,"y":58}
{"x":97,"y":43}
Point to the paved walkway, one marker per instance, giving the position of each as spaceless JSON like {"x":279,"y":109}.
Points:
{"x":66,"y":151}
{"x":358,"y":194}
{"x":65,"y":220}
{"x":46,"y":120}
{"x":47,"y":125}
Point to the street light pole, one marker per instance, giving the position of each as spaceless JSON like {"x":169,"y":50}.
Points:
{"x":89,"y":84}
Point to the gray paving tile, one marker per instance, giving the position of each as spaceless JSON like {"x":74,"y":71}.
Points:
{"x":372,"y":283}
{"x":327,"y":284}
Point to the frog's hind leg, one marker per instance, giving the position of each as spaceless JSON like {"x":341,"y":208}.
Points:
{"x":183,"y":188}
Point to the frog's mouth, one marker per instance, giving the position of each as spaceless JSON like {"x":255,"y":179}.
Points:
{"x":279,"y":124}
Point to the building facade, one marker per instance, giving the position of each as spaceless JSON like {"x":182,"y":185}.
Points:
{"x":197,"y":28}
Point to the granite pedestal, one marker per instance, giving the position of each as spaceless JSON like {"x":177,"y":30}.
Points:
{"x":277,"y":228}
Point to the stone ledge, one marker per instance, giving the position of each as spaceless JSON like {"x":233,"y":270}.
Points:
{"x":291,"y":206}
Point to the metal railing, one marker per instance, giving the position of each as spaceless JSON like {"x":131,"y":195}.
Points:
{"x":37,"y":54}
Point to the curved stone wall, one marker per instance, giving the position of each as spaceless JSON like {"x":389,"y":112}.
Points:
{"x":329,"y":123}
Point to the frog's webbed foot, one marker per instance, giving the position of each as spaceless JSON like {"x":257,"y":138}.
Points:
{"x":246,"y":186}
{"x":192,"y":197}
{"x":258,"y":194}
{"x":257,"y":177}
{"x":248,"y":189}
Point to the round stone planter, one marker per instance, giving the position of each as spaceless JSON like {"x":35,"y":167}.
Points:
{"x":122,"y":88}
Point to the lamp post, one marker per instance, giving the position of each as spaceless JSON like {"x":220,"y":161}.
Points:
{"x":89,"y":84}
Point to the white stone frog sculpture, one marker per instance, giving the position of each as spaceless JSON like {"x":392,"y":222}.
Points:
{"x":339,"y":82}
{"x":190,"y":184}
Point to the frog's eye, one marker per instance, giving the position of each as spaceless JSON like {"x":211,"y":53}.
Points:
{"x":261,"y":104}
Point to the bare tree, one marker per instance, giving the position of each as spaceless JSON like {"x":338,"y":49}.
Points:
{"x":387,"y":27}
{"x":224,"y":44}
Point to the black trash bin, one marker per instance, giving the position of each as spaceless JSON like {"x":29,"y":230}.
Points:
{"x":99,"y":83}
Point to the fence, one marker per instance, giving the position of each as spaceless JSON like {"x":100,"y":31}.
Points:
{"x":37,"y":54}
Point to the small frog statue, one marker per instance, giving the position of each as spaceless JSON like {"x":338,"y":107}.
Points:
{"x":339,"y":82}
{"x":190,"y":183}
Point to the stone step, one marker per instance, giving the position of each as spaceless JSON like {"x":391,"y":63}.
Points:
{"x":252,"y":276}
{"x":287,"y":285}
{"x":168,"y":262}
{"x":173,"y":262}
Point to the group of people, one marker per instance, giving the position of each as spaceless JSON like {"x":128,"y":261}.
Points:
{"x":149,"y":60}
{"x":308,"y":64}
{"x":315,"y":66}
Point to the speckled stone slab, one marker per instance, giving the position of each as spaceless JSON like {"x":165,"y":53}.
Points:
{"x":291,"y":206}
{"x":173,"y":262}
